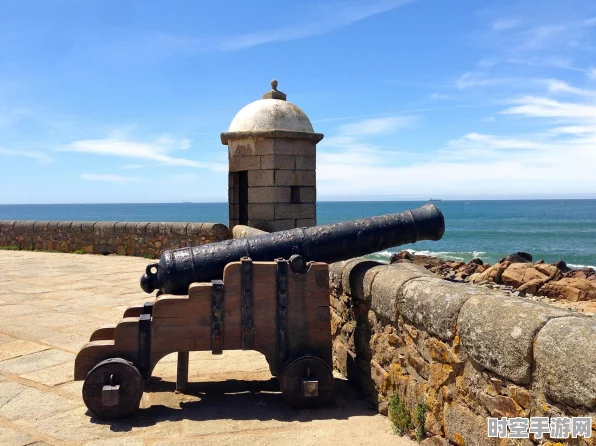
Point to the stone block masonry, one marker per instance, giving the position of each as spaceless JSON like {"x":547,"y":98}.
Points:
{"x":464,"y":351}
{"x":99,"y":237}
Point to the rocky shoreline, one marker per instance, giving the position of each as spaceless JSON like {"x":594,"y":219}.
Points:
{"x":518,"y":275}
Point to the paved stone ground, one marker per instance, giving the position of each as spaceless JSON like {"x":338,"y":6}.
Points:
{"x":49,"y":305}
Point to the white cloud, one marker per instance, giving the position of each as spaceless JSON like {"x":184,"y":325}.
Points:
{"x":490,"y":119}
{"x":555,"y":157}
{"x":158,"y":151}
{"x":377,"y":126}
{"x":538,"y":37}
{"x":556,"y":85}
{"x":39,"y":156}
{"x":438,"y":97}
{"x":541,"y":107}
{"x":315,"y":18}
{"x":478,"y":79}
{"x":110,"y":178}
{"x":504,"y":24}
{"x":132,"y":166}
{"x":324,"y":19}
{"x":493,"y":142}
{"x":592,"y":73}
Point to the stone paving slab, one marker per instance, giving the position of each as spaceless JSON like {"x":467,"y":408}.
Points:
{"x":50,"y":303}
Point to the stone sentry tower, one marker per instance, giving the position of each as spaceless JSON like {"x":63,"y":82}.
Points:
{"x":272,"y":165}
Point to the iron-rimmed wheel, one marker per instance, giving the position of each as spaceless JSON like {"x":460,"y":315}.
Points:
{"x":307,"y":382}
{"x":113,"y":388}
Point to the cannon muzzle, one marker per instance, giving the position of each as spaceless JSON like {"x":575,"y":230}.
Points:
{"x":178,"y":268}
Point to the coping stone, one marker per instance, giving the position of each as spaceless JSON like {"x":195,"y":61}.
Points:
{"x":565,"y":360}
{"x":434,"y":304}
{"x":353,"y":276}
{"x":387,"y":285}
{"x":498,"y":333}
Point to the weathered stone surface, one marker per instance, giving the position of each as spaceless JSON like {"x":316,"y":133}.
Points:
{"x":434,"y":441}
{"x":463,"y":427}
{"x":434,"y":304}
{"x":500,"y":406}
{"x":492,"y":274}
{"x":305,"y":222}
{"x":368,"y":280}
{"x":261,"y":211}
{"x":130,"y":238}
{"x":335,"y":274}
{"x":387,"y":285}
{"x":295,"y":210}
{"x":439,"y":375}
{"x":572,"y":289}
{"x":519,"y":273}
{"x":353,"y":276}
{"x":32,"y":404}
{"x":295,"y":178}
{"x":18,"y":347}
{"x":565,"y":357}
{"x":260,"y":178}
{"x":241,"y":231}
{"x":269,"y":194}
{"x":35,"y":361}
{"x":498,"y":333}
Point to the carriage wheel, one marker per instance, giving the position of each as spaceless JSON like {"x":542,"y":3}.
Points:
{"x":307,"y":382}
{"x":113,"y":388}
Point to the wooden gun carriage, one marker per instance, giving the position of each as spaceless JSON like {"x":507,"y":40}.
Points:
{"x":279,"y":308}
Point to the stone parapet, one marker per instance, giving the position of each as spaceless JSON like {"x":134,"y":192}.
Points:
{"x":462,"y":351}
{"x":108,"y":237}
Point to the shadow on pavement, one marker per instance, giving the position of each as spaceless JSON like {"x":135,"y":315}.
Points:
{"x":237,"y":400}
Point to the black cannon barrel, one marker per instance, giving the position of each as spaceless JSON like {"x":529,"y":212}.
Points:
{"x":178,"y":268}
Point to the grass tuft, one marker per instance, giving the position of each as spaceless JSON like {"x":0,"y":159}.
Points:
{"x":399,"y":415}
{"x":421,"y":410}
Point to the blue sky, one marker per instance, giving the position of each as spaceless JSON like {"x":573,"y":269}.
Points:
{"x":124,"y":101}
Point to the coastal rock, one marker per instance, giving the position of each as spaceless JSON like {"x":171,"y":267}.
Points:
{"x":531,"y":287}
{"x":562,"y":266}
{"x":585,"y":273}
{"x":518,"y":274}
{"x":571,"y":289}
{"x":426,"y":261}
{"x":518,"y":257}
{"x":493,"y":274}
{"x":402,"y":255}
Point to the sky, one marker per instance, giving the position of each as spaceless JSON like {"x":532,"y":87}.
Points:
{"x":124,"y":101}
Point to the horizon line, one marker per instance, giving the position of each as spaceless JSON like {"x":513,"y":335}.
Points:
{"x":318,"y":201}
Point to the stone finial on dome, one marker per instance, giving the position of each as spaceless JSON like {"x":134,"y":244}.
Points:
{"x":274,"y":93}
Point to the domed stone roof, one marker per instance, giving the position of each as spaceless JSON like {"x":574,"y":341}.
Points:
{"x":271,"y":117}
{"x":271,"y":114}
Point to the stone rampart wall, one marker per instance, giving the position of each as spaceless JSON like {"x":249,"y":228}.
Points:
{"x":103,"y":237}
{"x":465,"y":352}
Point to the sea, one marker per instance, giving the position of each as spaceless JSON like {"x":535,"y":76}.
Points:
{"x":550,"y":230}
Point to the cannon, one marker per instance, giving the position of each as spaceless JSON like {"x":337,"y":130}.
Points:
{"x":178,"y":268}
{"x":268,"y":293}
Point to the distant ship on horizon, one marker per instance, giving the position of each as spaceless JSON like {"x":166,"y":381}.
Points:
{"x":434,"y":199}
